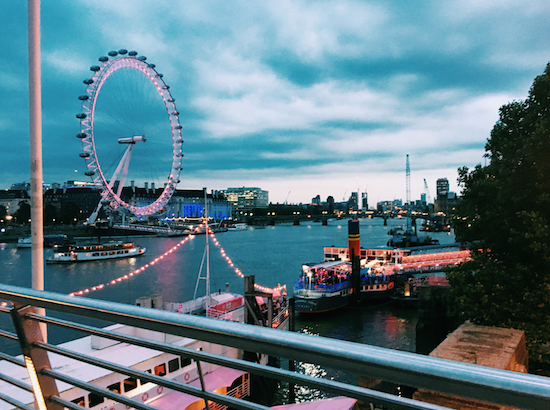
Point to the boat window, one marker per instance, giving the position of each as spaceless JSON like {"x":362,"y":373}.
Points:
{"x":173,"y":365}
{"x":94,"y":399}
{"x":185,"y":361}
{"x":95,"y":254}
{"x":130,"y":384}
{"x":160,"y":370}
{"x":114,"y":387}
{"x":79,"y":401}
{"x":141,"y":381}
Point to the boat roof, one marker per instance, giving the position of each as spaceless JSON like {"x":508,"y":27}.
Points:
{"x":221,"y":377}
{"x":121,"y":353}
{"x":326,"y":265}
{"x":224,"y":296}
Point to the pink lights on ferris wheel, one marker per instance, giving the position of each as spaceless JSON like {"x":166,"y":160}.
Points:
{"x":124,"y":60}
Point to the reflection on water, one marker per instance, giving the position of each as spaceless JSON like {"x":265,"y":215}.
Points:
{"x":273,"y":255}
{"x":380,"y":325}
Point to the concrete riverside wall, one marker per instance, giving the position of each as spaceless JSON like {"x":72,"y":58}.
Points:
{"x":482,"y":345}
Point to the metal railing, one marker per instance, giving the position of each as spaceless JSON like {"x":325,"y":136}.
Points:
{"x":506,"y":388}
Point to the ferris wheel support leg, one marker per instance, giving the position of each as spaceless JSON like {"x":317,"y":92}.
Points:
{"x":125,"y":161}
{"x":93,"y":216}
{"x":122,"y":166}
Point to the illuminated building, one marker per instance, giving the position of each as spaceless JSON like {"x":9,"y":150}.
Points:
{"x":245,"y":199}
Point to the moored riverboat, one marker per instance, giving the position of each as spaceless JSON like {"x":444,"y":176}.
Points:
{"x":377,"y":282}
{"x":228,"y":381}
{"x":94,"y":252}
{"x":49,"y":241}
{"x":323,"y":287}
{"x":237,"y":227}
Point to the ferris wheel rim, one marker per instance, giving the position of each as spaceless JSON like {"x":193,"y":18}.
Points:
{"x":118,"y":61}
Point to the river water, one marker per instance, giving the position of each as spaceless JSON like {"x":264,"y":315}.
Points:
{"x":274,"y":255}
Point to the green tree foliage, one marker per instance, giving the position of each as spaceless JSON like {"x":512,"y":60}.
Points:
{"x":23,"y":213}
{"x":504,"y":213}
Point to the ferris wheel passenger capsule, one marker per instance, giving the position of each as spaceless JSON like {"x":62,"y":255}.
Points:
{"x":122,"y":51}
{"x":95,"y":68}
{"x":112,"y":53}
{"x":81,"y":116}
{"x":132,"y":53}
{"x":83,"y":97}
{"x":88,"y":81}
{"x":81,"y":135}
{"x":103,"y":59}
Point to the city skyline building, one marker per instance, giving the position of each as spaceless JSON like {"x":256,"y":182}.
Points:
{"x":245,"y":199}
{"x":442,"y":186}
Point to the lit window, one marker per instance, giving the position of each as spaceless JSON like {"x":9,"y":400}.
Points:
{"x":160,"y":370}
{"x":79,"y":401}
{"x":115,"y":387}
{"x":130,"y":384}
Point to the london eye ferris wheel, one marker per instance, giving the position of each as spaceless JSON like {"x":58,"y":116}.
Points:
{"x":130,"y":132}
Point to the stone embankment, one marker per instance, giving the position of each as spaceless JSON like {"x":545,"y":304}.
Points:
{"x":482,"y":345}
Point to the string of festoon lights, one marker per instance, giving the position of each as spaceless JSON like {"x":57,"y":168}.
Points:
{"x":130,"y":275}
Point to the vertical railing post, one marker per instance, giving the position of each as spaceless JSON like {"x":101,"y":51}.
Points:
{"x":201,"y":378}
{"x":291,"y":363}
{"x":28,"y":332}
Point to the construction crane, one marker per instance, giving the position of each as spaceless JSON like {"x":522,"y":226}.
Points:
{"x":286,"y":200}
{"x":427,"y":191}
{"x":408,"y":199}
{"x":408,"y":181}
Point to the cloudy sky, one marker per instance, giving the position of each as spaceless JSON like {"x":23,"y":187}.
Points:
{"x":296,"y":97}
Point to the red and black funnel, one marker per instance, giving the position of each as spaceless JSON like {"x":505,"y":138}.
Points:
{"x":354,"y":243}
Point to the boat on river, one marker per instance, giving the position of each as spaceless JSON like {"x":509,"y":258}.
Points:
{"x":323,"y":287}
{"x":183,"y":369}
{"x":49,"y":241}
{"x":378,"y":281}
{"x":337,"y":281}
{"x":237,"y":227}
{"x":95,"y":252}
{"x":402,"y":237}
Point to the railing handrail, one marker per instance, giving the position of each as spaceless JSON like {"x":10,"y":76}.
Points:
{"x":444,"y":376}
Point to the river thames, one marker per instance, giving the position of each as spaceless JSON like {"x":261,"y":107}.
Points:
{"x":274,"y":255}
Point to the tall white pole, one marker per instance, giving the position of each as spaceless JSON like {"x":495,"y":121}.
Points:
{"x":35,"y":113}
